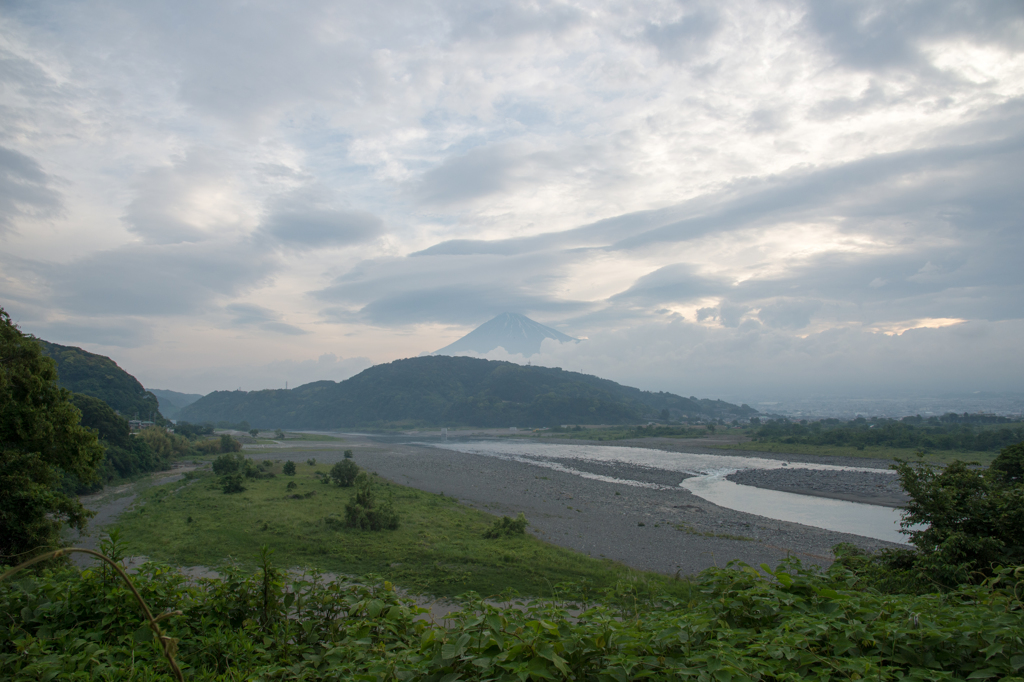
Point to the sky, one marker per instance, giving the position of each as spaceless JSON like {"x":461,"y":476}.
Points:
{"x":727,"y":199}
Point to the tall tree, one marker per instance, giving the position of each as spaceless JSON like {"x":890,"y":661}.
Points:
{"x":41,"y":440}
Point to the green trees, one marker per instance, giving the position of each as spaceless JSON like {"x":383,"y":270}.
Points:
{"x":362,"y":510}
{"x":970,"y":519}
{"x":289,"y":468}
{"x":41,"y":441}
{"x":344,"y":473}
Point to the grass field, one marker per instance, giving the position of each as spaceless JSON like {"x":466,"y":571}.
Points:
{"x":439,"y":548}
{"x":870,"y":452}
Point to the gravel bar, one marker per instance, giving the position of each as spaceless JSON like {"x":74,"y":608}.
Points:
{"x":668,"y":530}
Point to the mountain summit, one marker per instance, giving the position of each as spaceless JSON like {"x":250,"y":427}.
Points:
{"x":517,"y":334}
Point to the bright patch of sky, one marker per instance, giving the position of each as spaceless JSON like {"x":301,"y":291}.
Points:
{"x":721,"y":197}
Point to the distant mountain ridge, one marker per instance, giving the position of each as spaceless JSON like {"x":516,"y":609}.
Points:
{"x":98,"y":376}
{"x":442,"y":390}
{"x":517,"y":334}
{"x":172,"y":401}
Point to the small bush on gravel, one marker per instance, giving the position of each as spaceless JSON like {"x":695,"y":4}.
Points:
{"x":348,"y":454}
{"x":506,"y":527}
{"x":311,"y":461}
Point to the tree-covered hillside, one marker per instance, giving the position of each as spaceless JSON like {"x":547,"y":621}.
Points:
{"x":453,"y":391}
{"x":98,"y":376}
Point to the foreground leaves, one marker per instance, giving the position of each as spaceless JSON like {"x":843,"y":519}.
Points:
{"x":740,"y":624}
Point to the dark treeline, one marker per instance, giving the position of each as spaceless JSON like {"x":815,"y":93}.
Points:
{"x":948,"y":432}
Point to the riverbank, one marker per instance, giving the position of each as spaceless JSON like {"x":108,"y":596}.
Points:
{"x":661,"y":528}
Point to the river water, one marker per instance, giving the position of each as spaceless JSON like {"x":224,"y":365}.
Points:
{"x":704,"y":475}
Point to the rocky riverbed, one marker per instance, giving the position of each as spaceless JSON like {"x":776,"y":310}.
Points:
{"x":660,"y":527}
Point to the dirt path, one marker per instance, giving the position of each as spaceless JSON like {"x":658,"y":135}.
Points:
{"x":110,"y":503}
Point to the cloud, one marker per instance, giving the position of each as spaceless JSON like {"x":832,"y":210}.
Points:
{"x":25,"y":190}
{"x":257,"y":376}
{"x":307,"y":219}
{"x":248,"y":315}
{"x":686,"y":37}
{"x":750,"y":360}
{"x":880,"y":35}
{"x":672,"y":283}
{"x":111,"y":332}
{"x":476,"y":174}
{"x":156,"y":280}
{"x":189,"y":200}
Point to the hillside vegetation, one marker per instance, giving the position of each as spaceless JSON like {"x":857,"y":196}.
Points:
{"x":98,"y":376}
{"x":950,"y":432}
{"x":453,"y":391}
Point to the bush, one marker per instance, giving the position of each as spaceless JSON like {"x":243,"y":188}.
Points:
{"x":228,"y":464}
{"x":229,"y":444}
{"x":972,"y":520}
{"x":362,"y":511}
{"x":289,"y":468}
{"x":291,"y":485}
{"x":311,"y":461}
{"x":348,"y":454}
{"x":344,"y":473}
{"x":254,"y":432}
{"x":506,"y":527}
{"x":232,"y":483}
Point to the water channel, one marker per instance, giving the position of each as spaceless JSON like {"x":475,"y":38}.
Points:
{"x":704,"y":475}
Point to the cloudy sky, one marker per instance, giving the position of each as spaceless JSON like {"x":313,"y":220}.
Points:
{"x":726,"y":198}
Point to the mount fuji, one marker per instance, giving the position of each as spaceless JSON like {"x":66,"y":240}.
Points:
{"x":517,"y":334}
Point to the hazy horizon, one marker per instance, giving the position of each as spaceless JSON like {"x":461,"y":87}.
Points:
{"x":775,"y":200}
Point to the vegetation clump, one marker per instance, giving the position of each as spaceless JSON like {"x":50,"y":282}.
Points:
{"x":507,"y":527}
{"x":362,"y":510}
{"x":41,"y":441}
{"x":289,"y":468}
{"x":948,"y":432}
{"x":737,"y":623}
{"x":344,"y":473}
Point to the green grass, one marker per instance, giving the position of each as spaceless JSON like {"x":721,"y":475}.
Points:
{"x":869,"y":451}
{"x":439,"y":548}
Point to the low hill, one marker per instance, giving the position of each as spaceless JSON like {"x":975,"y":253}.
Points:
{"x":98,"y":376}
{"x":172,"y":401}
{"x":452,"y":391}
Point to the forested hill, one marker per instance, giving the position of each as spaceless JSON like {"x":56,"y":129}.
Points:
{"x":98,"y":376}
{"x":452,"y":391}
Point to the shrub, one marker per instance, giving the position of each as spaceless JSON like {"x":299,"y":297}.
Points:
{"x":208,"y":447}
{"x":507,"y":527}
{"x":229,"y":444}
{"x":254,"y":432}
{"x":362,"y":511}
{"x":344,"y":473}
{"x":289,"y":468}
{"x":311,"y":461}
{"x":971,"y":520}
{"x":228,"y":464}
{"x":279,"y":434}
{"x":291,"y":485}
{"x":348,"y":454}
{"x":232,"y":483}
